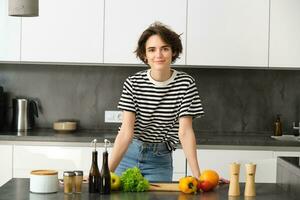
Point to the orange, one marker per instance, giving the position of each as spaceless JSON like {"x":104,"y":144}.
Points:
{"x":210,"y":176}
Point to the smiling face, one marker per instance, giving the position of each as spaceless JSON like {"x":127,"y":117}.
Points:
{"x":158,"y":53}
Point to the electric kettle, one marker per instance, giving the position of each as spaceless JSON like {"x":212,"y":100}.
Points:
{"x":24,"y":112}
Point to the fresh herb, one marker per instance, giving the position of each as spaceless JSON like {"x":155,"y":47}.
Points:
{"x":133,"y":181}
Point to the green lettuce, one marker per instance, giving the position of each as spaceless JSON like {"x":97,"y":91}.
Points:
{"x":133,"y":181}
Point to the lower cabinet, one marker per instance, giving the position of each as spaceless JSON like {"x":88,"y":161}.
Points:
{"x":179,"y":164}
{"x":6,"y":156}
{"x":220,"y":161}
{"x":28,"y":158}
{"x":20,"y":160}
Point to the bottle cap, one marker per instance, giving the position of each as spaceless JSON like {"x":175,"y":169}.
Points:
{"x":94,"y":144}
{"x":106,"y":144}
{"x":69,"y":173}
{"x":78,"y":173}
{"x":278,"y":116}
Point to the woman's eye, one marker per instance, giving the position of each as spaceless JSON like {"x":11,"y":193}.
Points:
{"x":150,"y":50}
{"x":166,"y":49}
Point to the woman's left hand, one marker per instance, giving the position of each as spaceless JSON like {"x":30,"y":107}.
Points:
{"x":223,"y":181}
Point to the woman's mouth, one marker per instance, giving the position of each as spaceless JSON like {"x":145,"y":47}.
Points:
{"x":159,"y":61}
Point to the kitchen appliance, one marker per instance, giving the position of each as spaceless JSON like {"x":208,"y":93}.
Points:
{"x":24,"y":112}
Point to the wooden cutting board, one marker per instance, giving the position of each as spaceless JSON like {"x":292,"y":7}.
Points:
{"x":171,"y":187}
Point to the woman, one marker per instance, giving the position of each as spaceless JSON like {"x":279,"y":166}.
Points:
{"x":158,"y":107}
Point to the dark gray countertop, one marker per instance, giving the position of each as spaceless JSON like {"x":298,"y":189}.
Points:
{"x":18,"y":189}
{"x":254,"y":140}
{"x":53,"y":136}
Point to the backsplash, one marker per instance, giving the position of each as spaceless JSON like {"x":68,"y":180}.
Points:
{"x":234,"y":100}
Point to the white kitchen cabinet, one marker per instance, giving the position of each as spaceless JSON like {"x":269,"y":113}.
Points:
{"x":6,"y":156}
{"x":126,"y":20}
{"x":228,"y":32}
{"x":179,"y":164}
{"x":285,"y":33}
{"x":9,"y":34}
{"x":64,"y":31}
{"x":28,"y":158}
{"x":220,"y":161}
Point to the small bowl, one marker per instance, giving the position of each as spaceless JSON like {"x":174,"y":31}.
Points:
{"x":65,"y":126}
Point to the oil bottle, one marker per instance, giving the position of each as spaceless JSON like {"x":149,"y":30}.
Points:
{"x":94,"y":175}
{"x":277,"y":126}
{"x":105,"y":173}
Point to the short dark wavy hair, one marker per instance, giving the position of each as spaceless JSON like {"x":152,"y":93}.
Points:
{"x":166,"y":34}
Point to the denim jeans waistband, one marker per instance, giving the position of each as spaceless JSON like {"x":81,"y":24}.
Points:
{"x":158,"y":146}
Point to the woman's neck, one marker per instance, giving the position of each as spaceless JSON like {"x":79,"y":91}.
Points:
{"x":161,"y":75}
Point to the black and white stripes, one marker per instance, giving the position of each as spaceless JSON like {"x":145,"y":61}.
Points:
{"x":158,"y":105}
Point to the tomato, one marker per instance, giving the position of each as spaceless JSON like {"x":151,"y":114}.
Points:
{"x":205,"y":186}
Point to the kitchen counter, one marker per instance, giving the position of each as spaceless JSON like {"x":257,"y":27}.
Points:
{"x":18,"y":189}
{"x":50,"y":135}
{"x":232,"y":141}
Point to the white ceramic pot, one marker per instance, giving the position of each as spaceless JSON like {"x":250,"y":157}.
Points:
{"x":44,"y":181}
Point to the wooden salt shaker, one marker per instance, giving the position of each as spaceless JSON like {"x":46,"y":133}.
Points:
{"x":234,"y":187}
{"x":250,"y":180}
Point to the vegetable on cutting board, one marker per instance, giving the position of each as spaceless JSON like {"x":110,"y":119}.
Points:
{"x":133,"y":181}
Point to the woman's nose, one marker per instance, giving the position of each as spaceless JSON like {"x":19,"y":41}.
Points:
{"x":158,"y":53}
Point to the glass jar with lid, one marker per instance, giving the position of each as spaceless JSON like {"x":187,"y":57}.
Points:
{"x":78,"y":180}
{"x":69,"y":181}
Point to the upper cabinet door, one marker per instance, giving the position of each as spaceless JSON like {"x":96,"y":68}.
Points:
{"x":126,"y":20}
{"x":228,"y":32}
{"x":285,"y":33}
{"x":9,"y":34}
{"x":65,"y":31}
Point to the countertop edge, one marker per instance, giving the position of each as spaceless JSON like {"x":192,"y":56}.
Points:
{"x":101,"y":144}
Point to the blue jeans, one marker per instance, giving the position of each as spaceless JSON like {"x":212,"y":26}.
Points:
{"x":153,"y":159}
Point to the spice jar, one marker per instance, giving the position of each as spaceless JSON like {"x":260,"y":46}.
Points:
{"x":68,"y":181}
{"x":78,"y":181}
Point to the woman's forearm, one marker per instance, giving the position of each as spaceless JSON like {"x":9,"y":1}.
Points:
{"x":122,"y":140}
{"x":188,"y":142}
{"x":121,"y":144}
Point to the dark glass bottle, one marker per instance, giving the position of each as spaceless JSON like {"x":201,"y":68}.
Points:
{"x":278,"y":126}
{"x":94,"y":175}
{"x":105,"y":173}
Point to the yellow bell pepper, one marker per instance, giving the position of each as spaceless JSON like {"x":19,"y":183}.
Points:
{"x":188,"y":185}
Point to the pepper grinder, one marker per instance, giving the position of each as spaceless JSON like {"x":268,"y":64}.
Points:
{"x":250,"y":180}
{"x":234,"y":187}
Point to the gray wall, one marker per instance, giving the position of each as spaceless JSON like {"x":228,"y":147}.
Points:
{"x":235,"y":100}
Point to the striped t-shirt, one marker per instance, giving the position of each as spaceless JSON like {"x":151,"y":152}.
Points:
{"x":159,"y":105}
